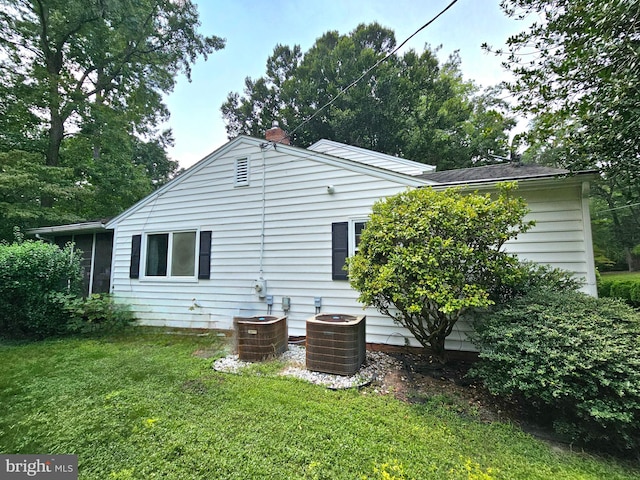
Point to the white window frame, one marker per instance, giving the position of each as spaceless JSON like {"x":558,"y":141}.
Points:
{"x":168,"y":277}
{"x":352,"y":234}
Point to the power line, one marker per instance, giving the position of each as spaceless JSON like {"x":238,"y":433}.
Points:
{"x":617,"y":208}
{"x":355,"y":82}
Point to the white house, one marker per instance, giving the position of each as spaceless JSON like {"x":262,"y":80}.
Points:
{"x":258,"y":227}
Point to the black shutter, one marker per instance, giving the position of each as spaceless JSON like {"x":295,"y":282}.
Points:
{"x":134,"y":268}
{"x":339,"y":250}
{"x":204,"y":260}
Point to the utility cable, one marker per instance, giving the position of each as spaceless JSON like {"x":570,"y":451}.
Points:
{"x":355,"y":82}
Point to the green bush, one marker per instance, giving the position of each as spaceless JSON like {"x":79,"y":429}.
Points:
{"x":427,"y":257}
{"x":627,"y":290}
{"x":635,"y":293}
{"x":32,"y":277}
{"x":96,"y":313}
{"x":604,"y":288}
{"x":571,"y":356}
{"x":527,"y":277}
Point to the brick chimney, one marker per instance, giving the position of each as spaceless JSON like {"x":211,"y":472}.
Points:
{"x":277,"y":135}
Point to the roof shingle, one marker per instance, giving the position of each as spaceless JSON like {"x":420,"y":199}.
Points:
{"x":502,"y":171}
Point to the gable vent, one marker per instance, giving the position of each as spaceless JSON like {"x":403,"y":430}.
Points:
{"x":242,"y":172}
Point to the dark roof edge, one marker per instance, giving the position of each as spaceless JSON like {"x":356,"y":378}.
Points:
{"x":82,"y":227}
{"x":590,"y":173}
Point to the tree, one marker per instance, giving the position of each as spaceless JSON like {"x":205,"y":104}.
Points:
{"x":24,"y":179}
{"x":82,"y":84}
{"x":410,"y":105}
{"x":577,"y":71}
{"x":77,"y":57}
{"x":426,"y":257}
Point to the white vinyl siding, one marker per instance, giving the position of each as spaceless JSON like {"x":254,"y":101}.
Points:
{"x":295,"y":245}
{"x":558,"y":239}
{"x":297,"y":239}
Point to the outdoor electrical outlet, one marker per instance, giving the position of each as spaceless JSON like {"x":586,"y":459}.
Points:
{"x":286,"y":303}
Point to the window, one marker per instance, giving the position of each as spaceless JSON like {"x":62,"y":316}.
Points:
{"x":157,"y":248}
{"x":242,"y":172}
{"x":181,"y":261}
{"x":171,"y":255}
{"x":345,"y":239}
{"x":183,"y":254}
{"x":358,"y":228}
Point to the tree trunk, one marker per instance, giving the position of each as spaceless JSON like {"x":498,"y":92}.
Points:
{"x":97,"y":129}
{"x":618,"y":229}
{"x":633,"y":261}
{"x":56,"y":134}
{"x":437,"y":348}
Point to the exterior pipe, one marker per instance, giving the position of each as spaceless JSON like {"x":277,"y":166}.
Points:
{"x":264,"y":207}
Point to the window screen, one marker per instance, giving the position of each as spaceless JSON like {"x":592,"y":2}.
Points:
{"x":183,"y":254}
{"x":157,"y":248}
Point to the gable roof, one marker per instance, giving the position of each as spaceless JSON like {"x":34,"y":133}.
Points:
{"x":369,"y":157}
{"x":494,"y":173}
{"x":349,"y":164}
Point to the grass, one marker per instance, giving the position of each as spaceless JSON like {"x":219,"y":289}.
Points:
{"x":621,"y":275}
{"x":143,"y":406}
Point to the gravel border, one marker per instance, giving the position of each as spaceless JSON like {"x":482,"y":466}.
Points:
{"x":375,"y":367}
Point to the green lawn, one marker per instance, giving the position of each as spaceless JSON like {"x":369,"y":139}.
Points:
{"x":143,"y":406}
{"x":621,"y":275}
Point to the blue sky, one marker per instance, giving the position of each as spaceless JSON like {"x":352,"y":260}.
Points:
{"x":252,"y":29}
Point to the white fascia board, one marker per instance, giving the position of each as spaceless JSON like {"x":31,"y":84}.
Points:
{"x":83,"y":227}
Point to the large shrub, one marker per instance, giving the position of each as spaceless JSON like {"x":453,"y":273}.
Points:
{"x":627,"y":290}
{"x":570,"y":356}
{"x":426,"y":257}
{"x":33,"y":275}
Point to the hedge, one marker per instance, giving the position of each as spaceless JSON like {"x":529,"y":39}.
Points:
{"x":35,"y":279}
{"x":627,"y":290}
{"x":572,"y":358}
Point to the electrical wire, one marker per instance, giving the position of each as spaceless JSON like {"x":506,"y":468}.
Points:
{"x":616,"y":208}
{"x":374,"y":66}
